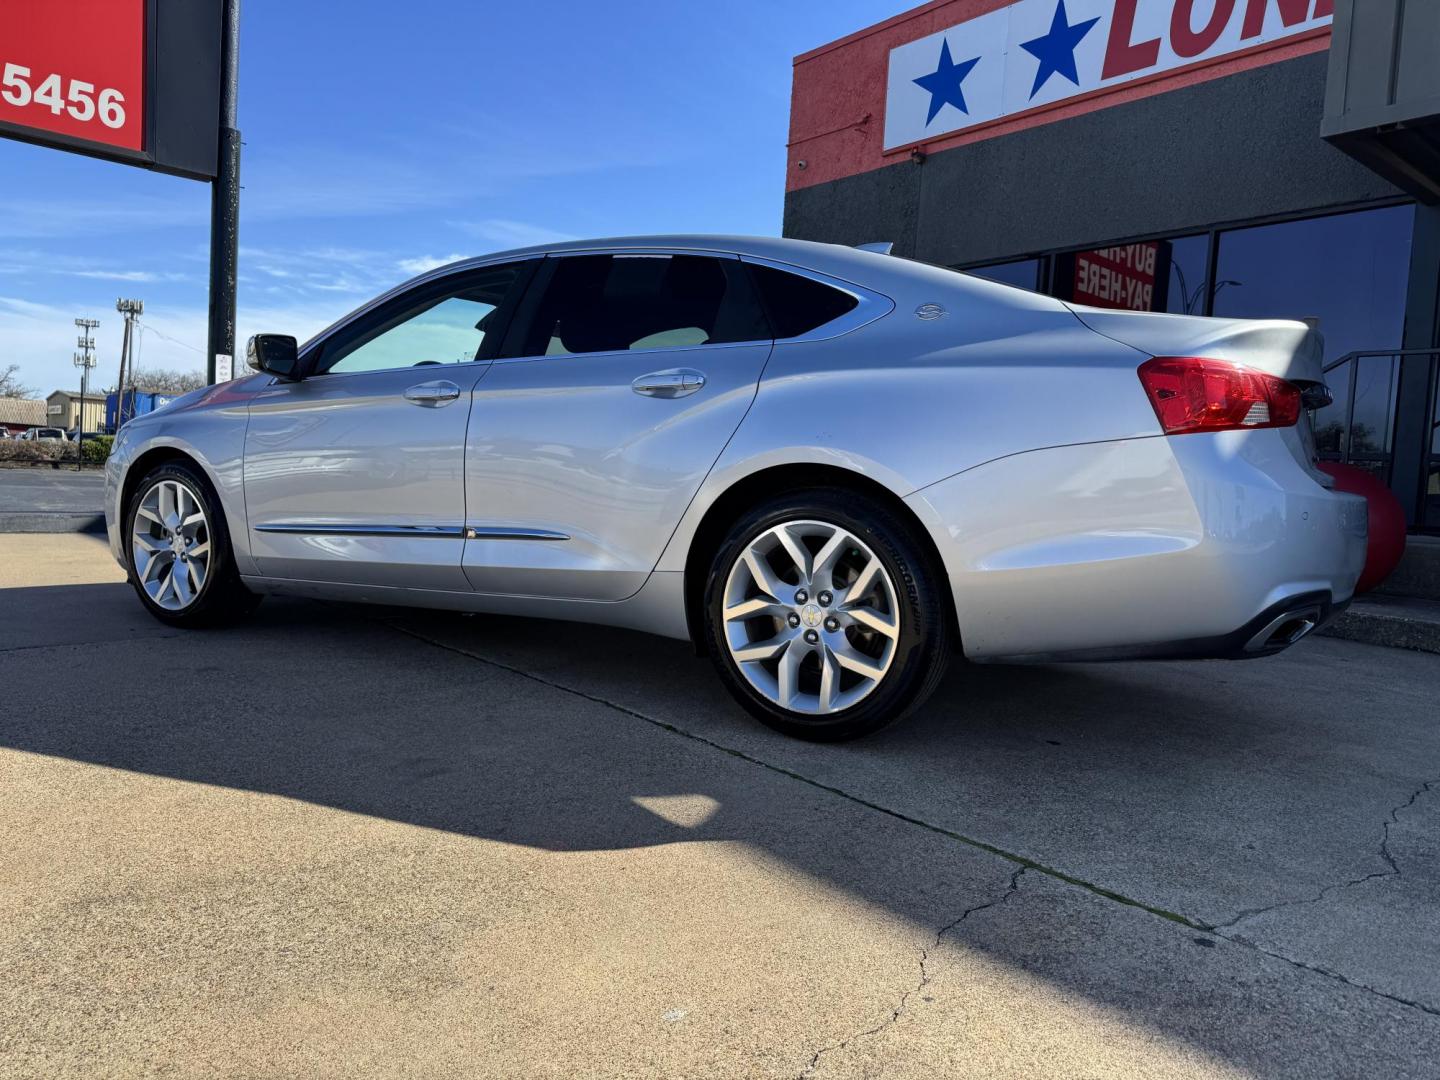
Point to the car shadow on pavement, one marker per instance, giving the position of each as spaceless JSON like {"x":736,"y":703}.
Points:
{"x":1202,"y":788}
{"x":569,"y":738}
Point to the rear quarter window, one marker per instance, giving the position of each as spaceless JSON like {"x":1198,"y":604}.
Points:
{"x":797,"y":305}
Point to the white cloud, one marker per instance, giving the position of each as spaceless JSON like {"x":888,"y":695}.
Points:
{"x":26,"y":308}
{"x":510,"y":234}
{"x":37,"y":218}
{"x":30,"y":263}
{"x":300,"y":272}
{"x":41,"y":337}
{"x":125,"y":275}
{"x":422,"y":263}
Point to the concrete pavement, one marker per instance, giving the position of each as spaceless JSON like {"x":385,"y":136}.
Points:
{"x":339,"y":840}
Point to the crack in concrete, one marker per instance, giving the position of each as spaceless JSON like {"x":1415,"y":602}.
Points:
{"x":1330,"y":974}
{"x":1385,"y":853}
{"x":1022,"y":861}
{"x":925,"y":976}
{"x":90,"y":644}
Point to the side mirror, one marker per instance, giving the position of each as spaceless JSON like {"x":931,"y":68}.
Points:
{"x":275,"y":354}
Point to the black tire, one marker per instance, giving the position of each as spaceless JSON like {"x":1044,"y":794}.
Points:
{"x":221,"y":599}
{"x":925,"y":637}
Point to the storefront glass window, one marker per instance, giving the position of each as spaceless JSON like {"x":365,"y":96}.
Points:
{"x":1348,"y":271}
{"x":1148,"y":275}
{"x":1189,"y":275}
{"x":1023,"y":272}
{"x":1346,"y":274}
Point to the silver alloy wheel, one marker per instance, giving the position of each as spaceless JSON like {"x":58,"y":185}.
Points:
{"x":811,"y":617}
{"x":170,"y":544}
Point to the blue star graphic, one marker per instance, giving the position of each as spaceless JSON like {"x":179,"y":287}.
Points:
{"x":1056,"y":50}
{"x":943,"y":84}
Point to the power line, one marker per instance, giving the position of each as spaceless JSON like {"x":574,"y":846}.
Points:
{"x":147,"y":328}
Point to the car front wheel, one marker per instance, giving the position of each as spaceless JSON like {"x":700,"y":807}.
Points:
{"x":181,"y":563}
{"x":825,"y":617}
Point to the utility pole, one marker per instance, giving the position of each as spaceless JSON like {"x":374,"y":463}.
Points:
{"x":225,"y":210}
{"x":130,"y":309}
{"x":84,"y":360}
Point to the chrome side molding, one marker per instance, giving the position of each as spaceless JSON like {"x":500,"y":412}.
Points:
{"x":481,"y":532}
{"x":444,"y":532}
{"x":451,"y":532}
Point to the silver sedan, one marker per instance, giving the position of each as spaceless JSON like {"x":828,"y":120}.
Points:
{"x":829,"y":469}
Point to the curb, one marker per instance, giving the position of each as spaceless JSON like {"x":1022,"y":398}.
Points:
{"x":38,"y":521}
{"x":1372,"y":624}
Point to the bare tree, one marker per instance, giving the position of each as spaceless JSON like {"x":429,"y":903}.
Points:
{"x":166,"y":382}
{"x":10,"y":384}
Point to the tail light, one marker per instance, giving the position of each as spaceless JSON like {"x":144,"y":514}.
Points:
{"x":1191,"y":393}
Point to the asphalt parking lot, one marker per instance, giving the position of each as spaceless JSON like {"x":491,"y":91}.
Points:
{"x":42,"y":499}
{"x":338,"y":841}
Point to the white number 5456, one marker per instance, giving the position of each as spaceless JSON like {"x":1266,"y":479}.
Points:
{"x":79,"y":100}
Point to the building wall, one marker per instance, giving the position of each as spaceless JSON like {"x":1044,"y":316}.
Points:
{"x":69,"y":414}
{"x":1222,"y":150}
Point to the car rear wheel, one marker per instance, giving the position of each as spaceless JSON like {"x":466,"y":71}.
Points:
{"x":825,"y":617}
{"x":181,"y":563}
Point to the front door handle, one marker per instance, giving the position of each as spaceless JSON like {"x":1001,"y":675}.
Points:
{"x":672,"y":383}
{"x":432,"y":394}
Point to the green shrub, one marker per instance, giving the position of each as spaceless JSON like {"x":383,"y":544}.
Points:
{"x":37,"y":452}
{"x":97,"y":449}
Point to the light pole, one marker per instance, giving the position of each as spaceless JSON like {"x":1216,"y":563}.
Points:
{"x":130,"y":309}
{"x":84,"y":360}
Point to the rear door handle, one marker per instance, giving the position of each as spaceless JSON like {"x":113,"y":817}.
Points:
{"x":672,"y":383}
{"x":432,"y":394}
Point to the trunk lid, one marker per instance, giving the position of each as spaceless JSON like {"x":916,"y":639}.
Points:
{"x":1288,"y":349}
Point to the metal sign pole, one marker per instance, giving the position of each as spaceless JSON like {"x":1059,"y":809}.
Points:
{"x":225,"y":210}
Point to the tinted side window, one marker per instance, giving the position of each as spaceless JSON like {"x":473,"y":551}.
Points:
{"x":796,"y":305}
{"x":445,"y":323}
{"x":606,"y":303}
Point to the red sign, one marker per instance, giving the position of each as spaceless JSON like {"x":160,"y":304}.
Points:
{"x":1117,"y":277}
{"x":75,"y":69}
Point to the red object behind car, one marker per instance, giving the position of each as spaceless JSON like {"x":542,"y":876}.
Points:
{"x":1387,"y":522}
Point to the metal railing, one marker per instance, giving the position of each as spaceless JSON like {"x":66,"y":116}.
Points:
{"x":1360,"y":428}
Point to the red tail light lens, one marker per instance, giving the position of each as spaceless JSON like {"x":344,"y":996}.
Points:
{"x":1191,"y":393}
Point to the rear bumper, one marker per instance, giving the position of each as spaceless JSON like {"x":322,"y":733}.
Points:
{"x":1272,"y":631}
{"x":1188,"y":546}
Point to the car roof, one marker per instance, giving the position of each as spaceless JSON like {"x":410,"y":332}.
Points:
{"x":835,"y":259}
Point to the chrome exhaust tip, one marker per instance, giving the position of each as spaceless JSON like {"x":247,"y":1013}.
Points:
{"x":1285,"y":630}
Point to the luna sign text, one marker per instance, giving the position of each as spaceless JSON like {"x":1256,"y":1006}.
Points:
{"x":1028,"y":55}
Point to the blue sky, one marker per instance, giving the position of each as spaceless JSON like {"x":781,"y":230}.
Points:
{"x":399,"y":135}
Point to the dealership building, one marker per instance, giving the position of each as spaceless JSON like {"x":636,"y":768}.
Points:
{"x":1246,"y":158}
